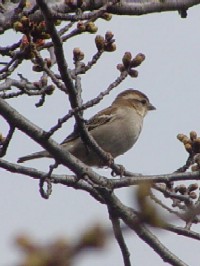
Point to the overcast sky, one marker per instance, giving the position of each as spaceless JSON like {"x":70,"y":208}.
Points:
{"x":170,"y":78}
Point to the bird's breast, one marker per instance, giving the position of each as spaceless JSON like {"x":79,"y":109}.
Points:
{"x":120,"y":135}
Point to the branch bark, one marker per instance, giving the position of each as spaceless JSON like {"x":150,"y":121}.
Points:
{"x":129,"y":7}
{"x":129,"y":218}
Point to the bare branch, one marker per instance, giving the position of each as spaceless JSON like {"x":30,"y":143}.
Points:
{"x":138,"y":178}
{"x":128,"y":216}
{"x":119,"y":237}
{"x":124,"y":7}
{"x":132,"y":7}
{"x":68,"y":180}
{"x":182,"y":231}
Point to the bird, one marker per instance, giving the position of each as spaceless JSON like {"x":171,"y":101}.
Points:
{"x":115,"y":129}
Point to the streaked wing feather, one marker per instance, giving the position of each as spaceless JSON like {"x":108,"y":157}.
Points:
{"x":100,"y":118}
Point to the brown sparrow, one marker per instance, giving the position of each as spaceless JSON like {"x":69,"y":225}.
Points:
{"x":115,"y":129}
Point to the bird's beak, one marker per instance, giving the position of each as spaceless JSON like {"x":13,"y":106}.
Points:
{"x":151,"y":107}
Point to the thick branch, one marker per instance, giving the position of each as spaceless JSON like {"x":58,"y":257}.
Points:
{"x":132,"y":7}
{"x":129,"y":218}
{"x":125,"y":7}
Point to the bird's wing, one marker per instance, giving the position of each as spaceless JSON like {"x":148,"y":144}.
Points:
{"x":97,"y":120}
{"x":101,"y":118}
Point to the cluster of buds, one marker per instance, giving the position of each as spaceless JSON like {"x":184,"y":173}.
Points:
{"x":192,"y":146}
{"x":187,"y":191}
{"x":129,"y":63}
{"x":191,"y":143}
{"x":37,"y":66}
{"x":105,"y":43}
{"x":37,"y":30}
{"x":89,"y":27}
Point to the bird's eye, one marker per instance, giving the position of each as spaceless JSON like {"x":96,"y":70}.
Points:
{"x":144,"y":101}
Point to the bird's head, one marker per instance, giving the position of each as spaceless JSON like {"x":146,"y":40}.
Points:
{"x":134,"y":99}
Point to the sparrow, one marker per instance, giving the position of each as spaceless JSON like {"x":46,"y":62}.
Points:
{"x":115,"y":129}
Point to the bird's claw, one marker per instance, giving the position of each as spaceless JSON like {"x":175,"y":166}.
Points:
{"x":119,"y":172}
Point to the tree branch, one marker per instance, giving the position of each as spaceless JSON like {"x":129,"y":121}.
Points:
{"x":136,"y":179}
{"x":68,"y":180}
{"x":125,"y":7}
{"x":182,"y":231}
{"x":129,"y":218}
{"x":119,"y":237}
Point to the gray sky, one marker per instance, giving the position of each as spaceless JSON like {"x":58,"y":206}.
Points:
{"x":170,"y":77}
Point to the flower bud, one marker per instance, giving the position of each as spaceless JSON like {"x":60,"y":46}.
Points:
{"x":188,"y":147}
{"x":182,"y":189}
{"x":193,"y":187}
{"x":193,"y":195}
{"x":78,"y":54}
{"x":100,"y":42}
{"x":133,"y":73}
{"x":120,"y":67}
{"x":110,"y":47}
{"x":193,"y":135}
{"x":50,"y":90}
{"x":106,"y":16}
{"x":138,"y":60}
{"x":91,"y":27}
{"x":126,"y":60}
{"x":109,"y":35}
{"x":81,"y":26}
{"x":181,"y":137}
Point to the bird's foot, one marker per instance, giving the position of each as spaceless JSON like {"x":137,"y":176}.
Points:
{"x":120,"y":171}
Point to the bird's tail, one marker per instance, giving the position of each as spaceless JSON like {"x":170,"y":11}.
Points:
{"x":35,"y":155}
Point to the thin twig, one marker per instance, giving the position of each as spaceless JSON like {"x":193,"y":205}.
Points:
{"x":120,"y":239}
